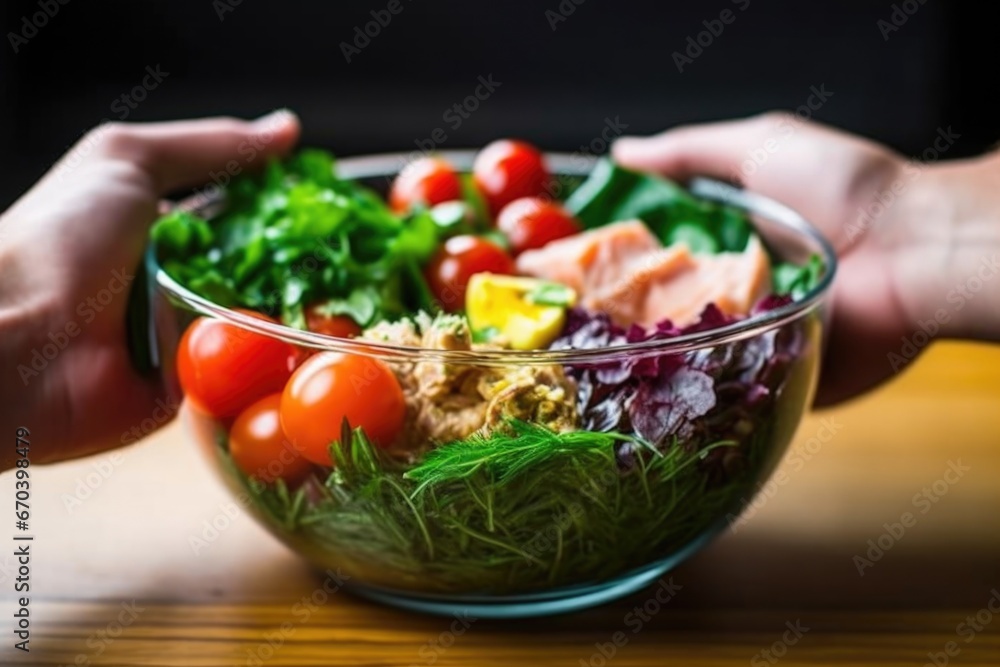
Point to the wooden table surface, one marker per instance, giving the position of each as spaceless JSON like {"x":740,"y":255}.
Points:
{"x":115,"y":579}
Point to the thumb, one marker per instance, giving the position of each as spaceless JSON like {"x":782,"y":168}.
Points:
{"x":188,"y":153}
{"x":714,"y":150}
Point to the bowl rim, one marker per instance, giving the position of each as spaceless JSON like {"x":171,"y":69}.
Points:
{"x":388,"y":164}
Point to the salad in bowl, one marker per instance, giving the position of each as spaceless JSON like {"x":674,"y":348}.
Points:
{"x":497,"y":381}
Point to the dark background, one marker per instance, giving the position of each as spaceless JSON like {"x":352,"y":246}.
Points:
{"x":607,"y":60}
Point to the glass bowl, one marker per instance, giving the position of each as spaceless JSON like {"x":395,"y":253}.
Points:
{"x":585,"y":523}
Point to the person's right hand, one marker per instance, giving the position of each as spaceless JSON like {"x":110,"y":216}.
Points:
{"x":913,"y":239}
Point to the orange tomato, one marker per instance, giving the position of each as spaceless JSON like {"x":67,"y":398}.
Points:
{"x":259,"y":446}
{"x":333,"y":386}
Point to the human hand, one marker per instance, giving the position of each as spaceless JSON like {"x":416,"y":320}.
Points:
{"x":69,"y":249}
{"x":913,"y":239}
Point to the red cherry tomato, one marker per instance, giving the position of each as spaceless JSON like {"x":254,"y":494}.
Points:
{"x":532,"y":222}
{"x":224,"y":368}
{"x":259,"y":446}
{"x":449,"y":270}
{"x":426,"y":181}
{"x":334,"y":386}
{"x":339,"y":326}
{"x":507,"y":170}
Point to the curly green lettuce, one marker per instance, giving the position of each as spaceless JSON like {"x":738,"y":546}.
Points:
{"x":298,"y":235}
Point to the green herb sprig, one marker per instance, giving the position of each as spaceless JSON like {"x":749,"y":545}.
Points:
{"x":521,"y":509}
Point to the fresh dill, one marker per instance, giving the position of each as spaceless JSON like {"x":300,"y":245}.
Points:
{"x":521,"y":509}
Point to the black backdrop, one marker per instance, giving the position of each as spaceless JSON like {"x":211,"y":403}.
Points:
{"x":606,"y":60}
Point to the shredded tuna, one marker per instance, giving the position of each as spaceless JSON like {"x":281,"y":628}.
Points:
{"x":448,"y":401}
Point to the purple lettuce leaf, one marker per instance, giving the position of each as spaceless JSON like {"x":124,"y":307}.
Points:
{"x":671,"y":405}
{"x":692,"y":399}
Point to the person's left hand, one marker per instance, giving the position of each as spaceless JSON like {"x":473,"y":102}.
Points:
{"x":69,"y":250}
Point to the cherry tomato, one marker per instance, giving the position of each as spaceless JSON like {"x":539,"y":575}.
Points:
{"x":224,"y":368}
{"x":449,"y":270}
{"x":339,"y":326}
{"x":426,"y":181}
{"x":259,"y":446}
{"x":532,"y":222}
{"x":507,"y":170}
{"x":334,"y":386}
{"x":295,"y":357}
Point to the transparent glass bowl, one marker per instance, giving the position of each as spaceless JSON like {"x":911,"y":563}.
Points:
{"x":582,"y":527}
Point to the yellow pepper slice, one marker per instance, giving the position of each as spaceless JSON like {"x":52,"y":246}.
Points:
{"x":528,"y":313}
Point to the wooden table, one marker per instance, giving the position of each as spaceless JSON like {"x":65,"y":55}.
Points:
{"x":115,"y":580}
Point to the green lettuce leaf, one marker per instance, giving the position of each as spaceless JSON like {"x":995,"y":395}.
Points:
{"x":612,"y":193}
{"x":297,"y":235}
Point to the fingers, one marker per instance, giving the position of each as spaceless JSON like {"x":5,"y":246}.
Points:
{"x":715,"y":150}
{"x":773,"y":154}
{"x":192,"y":152}
{"x":824,"y":174}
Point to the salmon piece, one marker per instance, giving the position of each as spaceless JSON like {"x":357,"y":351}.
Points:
{"x":592,"y":259}
{"x":627,"y":298}
{"x":733,"y":281}
{"x":623,"y":270}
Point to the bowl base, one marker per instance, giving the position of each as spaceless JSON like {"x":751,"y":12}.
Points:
{"x":548,"y":603}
